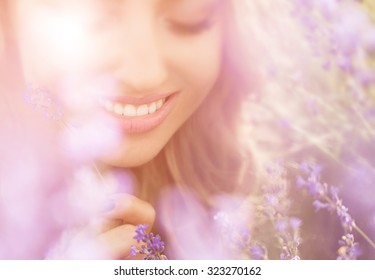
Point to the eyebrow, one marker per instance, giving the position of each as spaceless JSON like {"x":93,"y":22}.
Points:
{"x":206,"y":2}
{"x":172,"y":2}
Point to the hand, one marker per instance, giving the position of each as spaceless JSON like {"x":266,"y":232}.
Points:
{"x":119,"y":224}
{"x":111,"y":235}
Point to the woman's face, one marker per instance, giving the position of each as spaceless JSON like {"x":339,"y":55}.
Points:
{"x":148,"y":64}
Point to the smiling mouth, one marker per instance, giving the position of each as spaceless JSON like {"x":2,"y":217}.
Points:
{"x":132,"y":110}
{"x":139,"y":115}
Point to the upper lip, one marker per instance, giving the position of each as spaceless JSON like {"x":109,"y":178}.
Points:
{"x":147,"y":99}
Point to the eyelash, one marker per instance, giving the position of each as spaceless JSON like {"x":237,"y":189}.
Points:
{"x":191,"y":29}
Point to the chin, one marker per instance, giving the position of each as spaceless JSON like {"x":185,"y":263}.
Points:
{"x":131,"y":157}
{"x":124,"y":161}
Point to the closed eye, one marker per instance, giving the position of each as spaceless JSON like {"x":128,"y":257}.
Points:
{"x":190,"y":29}
{"x":192,"y":17}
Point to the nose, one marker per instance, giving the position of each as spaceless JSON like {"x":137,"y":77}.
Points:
{"x":140,"y":65}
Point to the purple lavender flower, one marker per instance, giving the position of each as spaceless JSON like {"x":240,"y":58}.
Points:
{"x":295,"y":223}
{"x":41,"y":99}
{"x":234,"y":237}
{"x":318,"y":205}
{"x":339,"y":31}
{"x":277,"y":204}
{"x":238,"y":238}
{"x":289,"y":238}
{"x":258,"y":252}
{"x":349,"y":249}
{"x":152,"y":247}
{"x":281,"y":225}
{"x":141,"y":234}
{"x":327,"y":198}
{"x":133,"y":251}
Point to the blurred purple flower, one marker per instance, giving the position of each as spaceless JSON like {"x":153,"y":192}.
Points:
{"x":94,"y":138}
{"x":366,"y":78}
{"x":318,"y":205}
{"x":349,"y":249}
{"x":41,"y":100}
{"x":258,"y":252}
{"x":277,"y":204}
{"x":295,"y":223}
{"x":328,"y":8}
{"x":281,"y":226}
{"x":328,"y":198}
{"x":289,"y":236}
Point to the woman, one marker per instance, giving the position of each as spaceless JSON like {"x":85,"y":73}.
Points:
{"x":169,"y":75}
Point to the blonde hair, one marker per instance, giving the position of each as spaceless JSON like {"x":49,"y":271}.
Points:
{"x":205,"y":155}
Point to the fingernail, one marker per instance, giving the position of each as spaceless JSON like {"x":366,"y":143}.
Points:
{"x":109,"y":205}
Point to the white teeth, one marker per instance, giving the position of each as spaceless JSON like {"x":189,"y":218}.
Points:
{"x":118,"y":109}
{"x":159,"y":103}
{"x":108,"y":105}
{"x":142,"y":110}
{"x":152,"y":108}
{"x":130,"y":110}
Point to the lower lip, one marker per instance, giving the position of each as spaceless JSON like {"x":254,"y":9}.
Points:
{"x":142,"y":124}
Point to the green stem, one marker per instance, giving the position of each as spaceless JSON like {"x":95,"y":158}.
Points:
{"x":364,"y":235}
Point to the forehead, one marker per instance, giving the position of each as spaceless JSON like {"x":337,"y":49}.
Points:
{"x":181,"y":5}
{"x":123,"y":2}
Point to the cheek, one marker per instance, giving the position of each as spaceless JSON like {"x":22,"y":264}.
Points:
{"x":198,"y":62}
{"x":202,"y":69}
{"x":1,"y":42}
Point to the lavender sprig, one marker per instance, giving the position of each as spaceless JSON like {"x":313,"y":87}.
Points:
{"x":326,"y":197}
{"x":277,"y":204}
{"x":152,"y":246}
{"x":41,"y":100}
{"x":238,"y":238}
{"x":289,"y":238}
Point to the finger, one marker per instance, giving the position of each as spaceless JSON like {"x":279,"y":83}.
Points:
{"x":131,"y":210}
{"x":118,"y":241}
{"x":105,"y":224}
